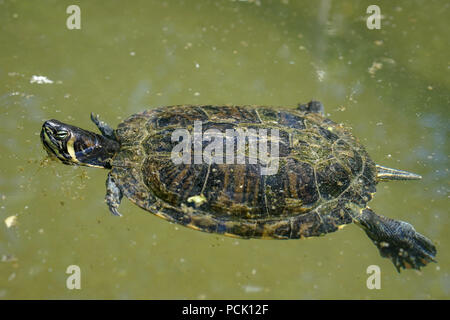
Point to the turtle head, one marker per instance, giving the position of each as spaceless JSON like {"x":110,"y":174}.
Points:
{"x":75,"y":146}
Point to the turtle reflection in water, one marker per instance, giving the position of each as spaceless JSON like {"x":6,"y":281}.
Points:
{"x":324,"y":180}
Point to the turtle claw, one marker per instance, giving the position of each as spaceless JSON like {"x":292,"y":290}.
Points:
{"x":94,"y":118}
{"x":115,"y":212}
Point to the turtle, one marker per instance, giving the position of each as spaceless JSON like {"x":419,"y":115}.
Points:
{"x":323,"y":180}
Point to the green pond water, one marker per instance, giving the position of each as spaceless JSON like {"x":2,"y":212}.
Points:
{"x":390,"y":85}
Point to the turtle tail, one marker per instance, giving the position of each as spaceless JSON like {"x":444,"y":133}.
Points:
{"x":397,"y":240}
{"x":388,"y":174}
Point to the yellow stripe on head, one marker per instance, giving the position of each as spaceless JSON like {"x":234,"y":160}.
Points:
{"x":49,"y":144}
{"x":71,"y":150}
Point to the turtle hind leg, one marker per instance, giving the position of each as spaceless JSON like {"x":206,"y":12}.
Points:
{"x":113,"y":196}
{"x":104,"y":128}
{"x":397,"y":240}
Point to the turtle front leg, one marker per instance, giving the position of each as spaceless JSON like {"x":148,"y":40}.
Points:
{"x":113,"y":196}
{"x":397,"y":240}
{"x":104,"y":128}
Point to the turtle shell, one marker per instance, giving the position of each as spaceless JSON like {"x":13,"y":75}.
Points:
{"x":323,"y":172}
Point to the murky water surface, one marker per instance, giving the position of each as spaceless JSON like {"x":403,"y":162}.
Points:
{"x":390,"y":85}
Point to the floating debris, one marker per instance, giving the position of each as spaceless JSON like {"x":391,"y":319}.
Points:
{"x":251,"y":289}
{"x":11,"y":221}
{"x":388,"y":60}
{"x":15,"y":74}
{"x":378,"y":42}
{"x":320,"y":75}
{"x":40,"y":80}
{"x":375,"y":67}
{"x":8,"y":258}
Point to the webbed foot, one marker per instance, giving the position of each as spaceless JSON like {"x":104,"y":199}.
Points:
{"x":113,"y":196}
{"x":104,"y":128}
{"x":398,"y":241}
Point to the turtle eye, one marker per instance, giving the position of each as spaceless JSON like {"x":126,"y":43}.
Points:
{"x":61,"y":134}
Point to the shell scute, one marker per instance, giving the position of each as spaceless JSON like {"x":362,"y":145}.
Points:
{"x":321,"y":169}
